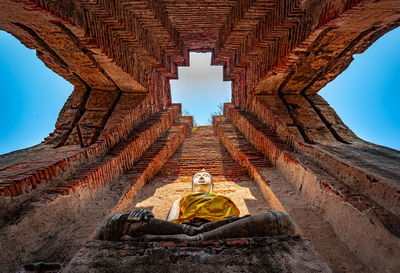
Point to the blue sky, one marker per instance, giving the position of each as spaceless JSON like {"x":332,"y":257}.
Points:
{"x":31,"y":96}
{"x":200,"y":88}
{"x":365,"y":96}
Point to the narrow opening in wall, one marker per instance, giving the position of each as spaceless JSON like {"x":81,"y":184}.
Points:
{"x":200,"y":89}
{"x":31,"y":96}
{"x":366,"y":95}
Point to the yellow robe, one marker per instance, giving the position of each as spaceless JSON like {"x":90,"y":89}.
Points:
{"x":209,"y":206}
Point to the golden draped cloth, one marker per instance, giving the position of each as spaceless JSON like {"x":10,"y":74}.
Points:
{"x":209,"y":206}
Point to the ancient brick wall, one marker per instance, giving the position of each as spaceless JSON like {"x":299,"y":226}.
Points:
{"x":43,"y":219}
{"x":354,"y":202}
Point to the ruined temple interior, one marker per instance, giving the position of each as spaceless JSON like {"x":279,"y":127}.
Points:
{"x":121,"y":144}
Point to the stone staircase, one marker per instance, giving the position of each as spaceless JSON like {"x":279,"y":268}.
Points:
{"x":202,"y":149}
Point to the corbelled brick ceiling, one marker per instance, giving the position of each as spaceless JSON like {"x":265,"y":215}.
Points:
{"x":265,"y":46}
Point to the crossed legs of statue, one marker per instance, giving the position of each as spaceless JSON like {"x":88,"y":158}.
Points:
{"x":146,"y":227}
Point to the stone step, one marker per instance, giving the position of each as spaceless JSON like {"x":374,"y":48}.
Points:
{"x":201,"y":149}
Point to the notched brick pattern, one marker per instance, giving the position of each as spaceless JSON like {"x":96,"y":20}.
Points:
{"x":100,"y":100}
{"x":152,"y":161}
{"x":23,"y":183}
{"x":119,"y":159}
{"x":331,"y":186}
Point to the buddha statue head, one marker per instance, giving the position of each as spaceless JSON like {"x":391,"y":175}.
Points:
{"x":202,"y":182}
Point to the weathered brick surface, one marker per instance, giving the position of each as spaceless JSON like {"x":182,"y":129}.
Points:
{"x":152,"y":161}
{"x":247,"y":156}
{"x":271,"y":110}
{"x":255,"y":40}
{"x":100,"y":100}
{"x":66,"y":50}
{"x":269,"y":254}
{"x":348,"y":158}
{"x":16,"y":180}
{"x":282,"y":196}
{"x":71,"y":210}
{"x":201,"y":149}
{"x":102,"y":113}
{"x":120,"y":158}
{"x":264,"y":139}
{"x":349,"y":34}
{"x":343,"y":29}
{"x":265,"y":46}
{"x":301,"y":118}
{"x":21,"y":177}
{"x":349,"y":209}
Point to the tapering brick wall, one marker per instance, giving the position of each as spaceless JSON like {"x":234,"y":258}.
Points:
{"x":352,"y":210}
{"x":95,"y":190}
{"x":16,"y":181}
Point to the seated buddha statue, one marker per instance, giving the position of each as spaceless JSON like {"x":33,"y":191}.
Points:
{"x":200,"y":215}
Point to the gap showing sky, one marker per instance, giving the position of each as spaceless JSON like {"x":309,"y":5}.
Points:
{"x":200,"y":88}
{"x":365,"y":96}
{"x":31,"y":96}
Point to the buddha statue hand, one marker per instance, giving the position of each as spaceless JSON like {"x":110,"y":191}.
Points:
{"x":140,"y":215}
